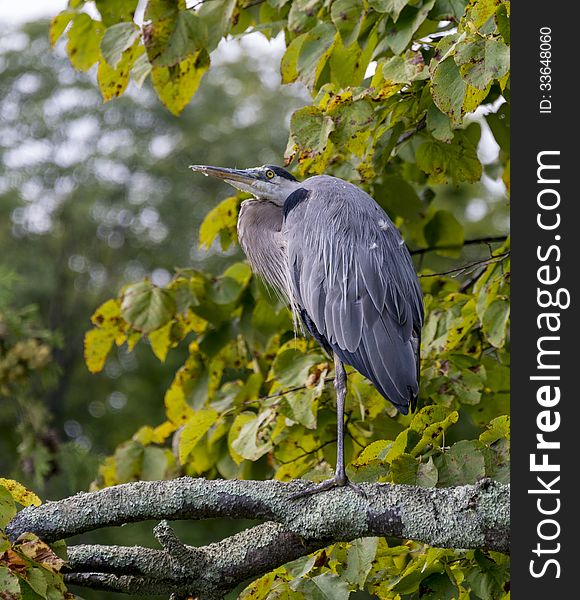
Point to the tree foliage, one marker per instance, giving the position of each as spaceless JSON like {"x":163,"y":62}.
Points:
{"x":394,"y":86}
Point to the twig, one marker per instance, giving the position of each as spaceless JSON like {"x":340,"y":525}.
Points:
{"x":485,"y":240}
{"x":459,"y":270}
{"x":405,"y":136}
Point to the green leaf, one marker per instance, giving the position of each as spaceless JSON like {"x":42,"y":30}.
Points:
{"x":36,"y":579}
{"x":502,"y":20}
{"x":400,"y":34}
{"x":480,"y":11}
{"x":498,"y":429}
{"x":290,"y":367}
{"x":347,"y":16}
{"x":352,"y":125}
{"x":359,"y":560}
{"x":398,"y":197}
{"x":393,"y":7}
{"x":456,"y":161}
{"x":218,"y":17}
{"x":439,"y":587}
{"x":222,"y":218}
{"x":462,"y":464}
{"x":195,"y":428}
{"x":147,"y":307}
{"x":259,"y":589}
{"x":439,"y":124}
{"x":431,"y":422}
{"x":115,"y":11}
{"x":141,"y":68}
{"x":427,"y":474}
{"x":405,"y":68}
{"x":309,"y":131}
{"x":331,"y":586}
{"x":448,"y":89}
{"x":499,"y":123}
{"x":9,"y":584}
{"x":487,"y":577}
{"x":171,"y":40}
{"x":314,"y":52}
{"x":495,"y":321}
{"x":448,"y":10}
{"x":116,"y":40}
{"x":128,"y":461}
{"x":155,"y":463}
{"x":302,"y":407}
{"x":250,"y":443}
{"x":177,"y":84}
{"x":482,"y":60}
{"x":289,"y":62}
{"x":7,"y":507}
{"x":404,"y":469}
{"x":84,"y":38}
{"x":444,"y":231}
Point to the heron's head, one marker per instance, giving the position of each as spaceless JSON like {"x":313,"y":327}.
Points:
{"x":265,"y":183}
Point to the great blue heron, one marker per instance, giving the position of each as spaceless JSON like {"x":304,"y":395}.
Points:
{"x":334,"y":254}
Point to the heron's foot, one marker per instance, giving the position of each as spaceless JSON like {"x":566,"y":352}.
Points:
{"x":336,"y":482}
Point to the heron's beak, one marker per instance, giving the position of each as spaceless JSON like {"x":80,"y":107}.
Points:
{"x":250,"y":181}
{"x":247,"y":176}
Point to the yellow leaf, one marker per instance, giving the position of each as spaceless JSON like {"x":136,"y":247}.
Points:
{"x":161,"y":341}
{"x":223,"y":217}
{"x":239,"y":422}
{"x":108,"y":472}
{"x":176,"y":85}
{"x":113,"y":81}
{"x":176,"y":407}
{"x":98,"y":344}
{"x":162,"y":432}
{"x":195,"y":428}
{"x":59,"y":24}
{"x":20,"y":493}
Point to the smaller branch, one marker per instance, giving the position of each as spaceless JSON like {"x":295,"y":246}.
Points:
{"x":183,"y":554}
{"x":126,"y":584}
{"x":278,"y":395}
{"x":479,"y":263}
{"x":485,"y":240}
{"x":408,"y":134}
{"x":307,"y":452}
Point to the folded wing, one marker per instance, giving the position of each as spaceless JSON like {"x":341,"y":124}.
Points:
{"x":356,"y":285}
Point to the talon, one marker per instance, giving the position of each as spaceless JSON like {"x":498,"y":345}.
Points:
{"x":335,"y":482}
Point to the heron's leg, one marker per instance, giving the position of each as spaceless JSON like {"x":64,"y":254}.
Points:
{"x":340,"y":387}
{"x":340,"y":479}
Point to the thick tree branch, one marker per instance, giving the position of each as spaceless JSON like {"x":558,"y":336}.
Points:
{"x":460,"y":517}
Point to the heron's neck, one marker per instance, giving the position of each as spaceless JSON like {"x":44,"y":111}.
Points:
{"x":261,"y":239}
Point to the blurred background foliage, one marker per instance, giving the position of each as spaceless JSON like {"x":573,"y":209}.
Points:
{"x":94,"y":196}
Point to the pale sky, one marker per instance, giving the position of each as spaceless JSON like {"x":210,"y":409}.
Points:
{"x":29,"y":10}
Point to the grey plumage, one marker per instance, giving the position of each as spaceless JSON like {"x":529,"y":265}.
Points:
{"x":336,"y":257}
{"x":353,"y":275}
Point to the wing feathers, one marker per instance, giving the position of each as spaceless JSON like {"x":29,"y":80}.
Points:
{"x":355,"y":280}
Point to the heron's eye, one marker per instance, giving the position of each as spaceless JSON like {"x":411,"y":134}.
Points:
{"x":270,"y":173}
